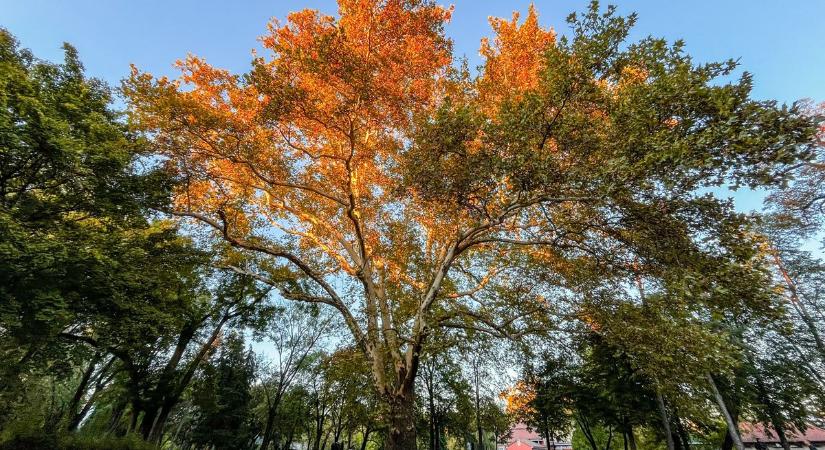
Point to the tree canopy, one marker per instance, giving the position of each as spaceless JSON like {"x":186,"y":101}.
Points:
{"x":362,"y":241}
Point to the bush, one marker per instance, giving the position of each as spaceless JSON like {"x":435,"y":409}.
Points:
{"x":130,"y":442}
{"x":74,"y":442}
{"x":31,"y":442}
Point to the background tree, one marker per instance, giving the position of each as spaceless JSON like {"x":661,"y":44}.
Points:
{"x":222,"y":398}
{"x":296,"y":334}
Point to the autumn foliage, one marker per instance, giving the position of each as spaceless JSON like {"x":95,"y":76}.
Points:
{"x":368,"y":172}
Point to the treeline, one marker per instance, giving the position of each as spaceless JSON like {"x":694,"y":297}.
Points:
{"x":357,"y":245}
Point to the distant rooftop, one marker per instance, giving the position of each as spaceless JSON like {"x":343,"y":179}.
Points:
{"x":753,"y":431}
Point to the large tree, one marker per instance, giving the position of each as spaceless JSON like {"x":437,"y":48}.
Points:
{"x":74,"y":236}
{"x":371,"y":175}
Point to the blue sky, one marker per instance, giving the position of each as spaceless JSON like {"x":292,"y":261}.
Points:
{"x":781,"y":43}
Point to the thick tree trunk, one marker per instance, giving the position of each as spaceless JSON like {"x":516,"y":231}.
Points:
{"x":660,"y":400}
{"x":733,"y":429}
{"x":401,"y":433}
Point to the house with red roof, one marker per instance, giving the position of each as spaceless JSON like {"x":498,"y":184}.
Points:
{"x":755,"y":432}
{"x":523,"y":438}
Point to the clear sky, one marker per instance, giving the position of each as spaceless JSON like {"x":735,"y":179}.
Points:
{"x":781,"y":42}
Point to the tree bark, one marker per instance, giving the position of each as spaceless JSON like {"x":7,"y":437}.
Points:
{"x":733,"y":429}
{"x":401,"y":435}
{"x":270,"y":424}
{"x":660,"y":400}
{"x":290,"y":437}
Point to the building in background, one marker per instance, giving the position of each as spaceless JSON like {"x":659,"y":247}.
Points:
{"x":754,"y":432}
{"x":522,"y":438}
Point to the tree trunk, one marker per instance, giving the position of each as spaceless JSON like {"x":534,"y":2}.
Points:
{"x":74,"y":416}
{"x":479,"y":431}
{"x":149,"y":421}
{"x":117,"y":414}
{"x":727,"y":444}
{"x":270,"y":425}
{"x":783,"y":439}
{"x":733,"y":429}
{"x":631,"y":439}
{"x":588,"y":434}
{"x":660,"y":400}
{"x":773,"y":413}
{"x":290,"y":437}
{"x":433,"y":436}
{"x":319,"y":425}
{"x":159,"y":425}
{"x":401,"y":434}
{"x":683,"y":434}
{"x":366,"y":437}
{"x":798,"y":305}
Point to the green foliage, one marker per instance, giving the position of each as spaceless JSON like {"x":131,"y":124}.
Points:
{"x":44,"y":441}
{"x":72,"y":211}
{"x":222,"y":398}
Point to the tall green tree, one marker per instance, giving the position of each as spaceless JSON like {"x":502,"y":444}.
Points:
{"x":223,"y":398}
{"x":72,"y":212}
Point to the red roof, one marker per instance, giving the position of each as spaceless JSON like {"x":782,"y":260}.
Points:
{"x":521,"y":433}
{"x":521,"y":438}
{"x":753,"y":431}
{"x":519,"y":445}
